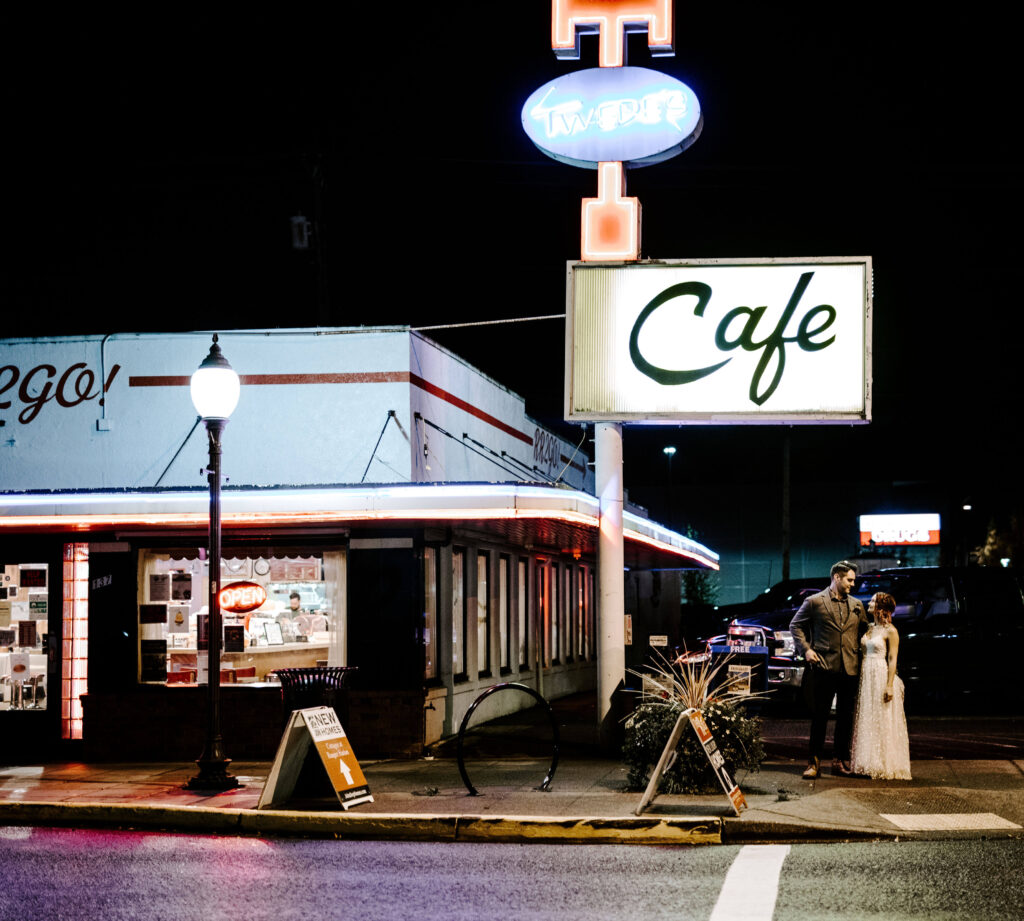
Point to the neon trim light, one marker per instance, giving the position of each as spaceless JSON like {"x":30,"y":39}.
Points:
{"x":610,"y":225}
{"x":75,"y":639}
{"x":610,"y":19}
{"x":85,"y":512}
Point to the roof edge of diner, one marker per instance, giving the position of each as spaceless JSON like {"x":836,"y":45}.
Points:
{"x":97,"y":509}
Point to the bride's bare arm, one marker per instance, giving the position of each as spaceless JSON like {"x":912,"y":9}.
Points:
{"x":892,"y":641}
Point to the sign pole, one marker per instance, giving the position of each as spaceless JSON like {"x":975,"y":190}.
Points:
{"x":611,"y":650}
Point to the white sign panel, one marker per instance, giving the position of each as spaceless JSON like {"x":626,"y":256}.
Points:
{"x":897,"y":530}
{"x":720,"y":341}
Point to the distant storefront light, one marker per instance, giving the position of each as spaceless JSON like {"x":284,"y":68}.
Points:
{"x":899,"y":530}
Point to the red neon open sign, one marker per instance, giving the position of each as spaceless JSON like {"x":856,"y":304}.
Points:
{"x":242,"y":597}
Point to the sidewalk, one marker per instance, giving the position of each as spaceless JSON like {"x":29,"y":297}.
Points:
{"x":426,"y":800}
{"x":508,"y":758}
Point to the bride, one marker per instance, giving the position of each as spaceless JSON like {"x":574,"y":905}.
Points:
{"x":880,"y":747}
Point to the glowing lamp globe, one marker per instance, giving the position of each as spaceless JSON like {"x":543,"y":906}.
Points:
{"x":215,"y":386}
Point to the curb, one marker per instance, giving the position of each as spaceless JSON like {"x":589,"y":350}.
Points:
{"x":690,"y":830}
{"x":738,"y":831}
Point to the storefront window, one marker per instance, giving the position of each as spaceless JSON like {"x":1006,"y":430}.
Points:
{"x":580,"y":612}
{"x":429,"y":613}
{"x":567,"y":612}
{"x":24,"y":589}
{"x":289,"y":627}
{"x":483,"y":623}
{"x":556,"y":633}
{"x":458,"y":613}
{"x":588,"y":616}
{"x":544,"y":612}
{"x":523,"y":620}
{"x":504,"y":640}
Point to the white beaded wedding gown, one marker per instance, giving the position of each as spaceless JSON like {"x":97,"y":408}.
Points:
{"x":880,"y":746}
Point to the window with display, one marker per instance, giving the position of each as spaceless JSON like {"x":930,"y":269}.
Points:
{"x":522,"y":614}
{"x":276,"y":612}
{"x":483,"y":621}
{"x":429,"y":613}
{"x":458,"y":613}
{"x":24,"y":617}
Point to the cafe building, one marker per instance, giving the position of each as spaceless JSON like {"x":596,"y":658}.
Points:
{"x":388,"y":506}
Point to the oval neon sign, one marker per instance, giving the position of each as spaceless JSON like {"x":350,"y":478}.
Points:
{"x":628,"y":114}
{"x":242,"y":597}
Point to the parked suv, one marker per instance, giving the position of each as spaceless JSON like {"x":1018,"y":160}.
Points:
{"x":952,"y":623}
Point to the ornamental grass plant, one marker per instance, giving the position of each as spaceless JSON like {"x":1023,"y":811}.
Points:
{"x":669,"y":688}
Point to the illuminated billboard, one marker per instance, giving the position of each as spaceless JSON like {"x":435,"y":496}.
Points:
{"x":719,"y":341}
{"x":899,"y":530}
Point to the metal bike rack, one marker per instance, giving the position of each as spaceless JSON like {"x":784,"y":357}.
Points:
{"x":493,"y":689}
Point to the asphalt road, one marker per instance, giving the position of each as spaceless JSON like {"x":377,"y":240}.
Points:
{"x":85,"y":875}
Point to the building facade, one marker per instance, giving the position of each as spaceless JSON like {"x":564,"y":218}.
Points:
{"x":399,"y":510}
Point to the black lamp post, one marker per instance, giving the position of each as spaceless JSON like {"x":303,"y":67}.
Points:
{"x":215,"y":390}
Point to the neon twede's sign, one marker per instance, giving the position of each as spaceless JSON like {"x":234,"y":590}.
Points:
{"x":628,"y":114}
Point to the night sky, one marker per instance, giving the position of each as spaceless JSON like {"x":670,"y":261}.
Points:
{"x":154,"y":160}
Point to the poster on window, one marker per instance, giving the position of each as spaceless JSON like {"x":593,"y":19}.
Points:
{"x":177,"y":618}
{"x":159,"y":586}
{"x":181,"y":586}
{"x":26,"y":633}
{"x":32,"y":578}
{"x":234,"y":638}
{"x":20,"y":666}
{"x":153,"y":660}
{"x":152,"y":613}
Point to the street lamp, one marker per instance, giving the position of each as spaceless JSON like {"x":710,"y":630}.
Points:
{"x":215,"y":390}
{"x":669,"y":452}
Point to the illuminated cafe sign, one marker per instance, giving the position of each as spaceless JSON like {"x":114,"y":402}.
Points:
{"x":241,"y":597}
{"x":628,"y":114}
{"x":719,"y":341}
{"x":899,"y":530}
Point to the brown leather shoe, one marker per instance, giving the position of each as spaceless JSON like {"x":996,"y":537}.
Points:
{"x":842,"y":768}
{"x":813,"y":771}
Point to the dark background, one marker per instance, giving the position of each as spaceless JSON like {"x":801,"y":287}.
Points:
{"x":153,"y":161}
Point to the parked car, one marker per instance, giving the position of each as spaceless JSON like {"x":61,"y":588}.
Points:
{"x":764,"y":621}
{"x":952,"y":622}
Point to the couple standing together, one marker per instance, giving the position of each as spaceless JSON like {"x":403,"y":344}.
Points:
{"x":853,"y":659}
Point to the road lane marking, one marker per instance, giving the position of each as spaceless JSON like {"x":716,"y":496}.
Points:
{"x":752,"y":884}
{"x":956,"y":821}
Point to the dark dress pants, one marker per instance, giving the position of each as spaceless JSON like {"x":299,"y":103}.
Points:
{"x":825,"y":686}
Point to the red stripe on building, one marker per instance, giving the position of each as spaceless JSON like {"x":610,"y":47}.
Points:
{"x":467,"y":407}
{"x":363,"y":377}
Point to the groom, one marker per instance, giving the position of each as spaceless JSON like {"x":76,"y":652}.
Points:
{"x":827,"y":630}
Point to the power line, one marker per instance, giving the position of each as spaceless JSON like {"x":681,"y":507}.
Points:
{"x":550,"y":316}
